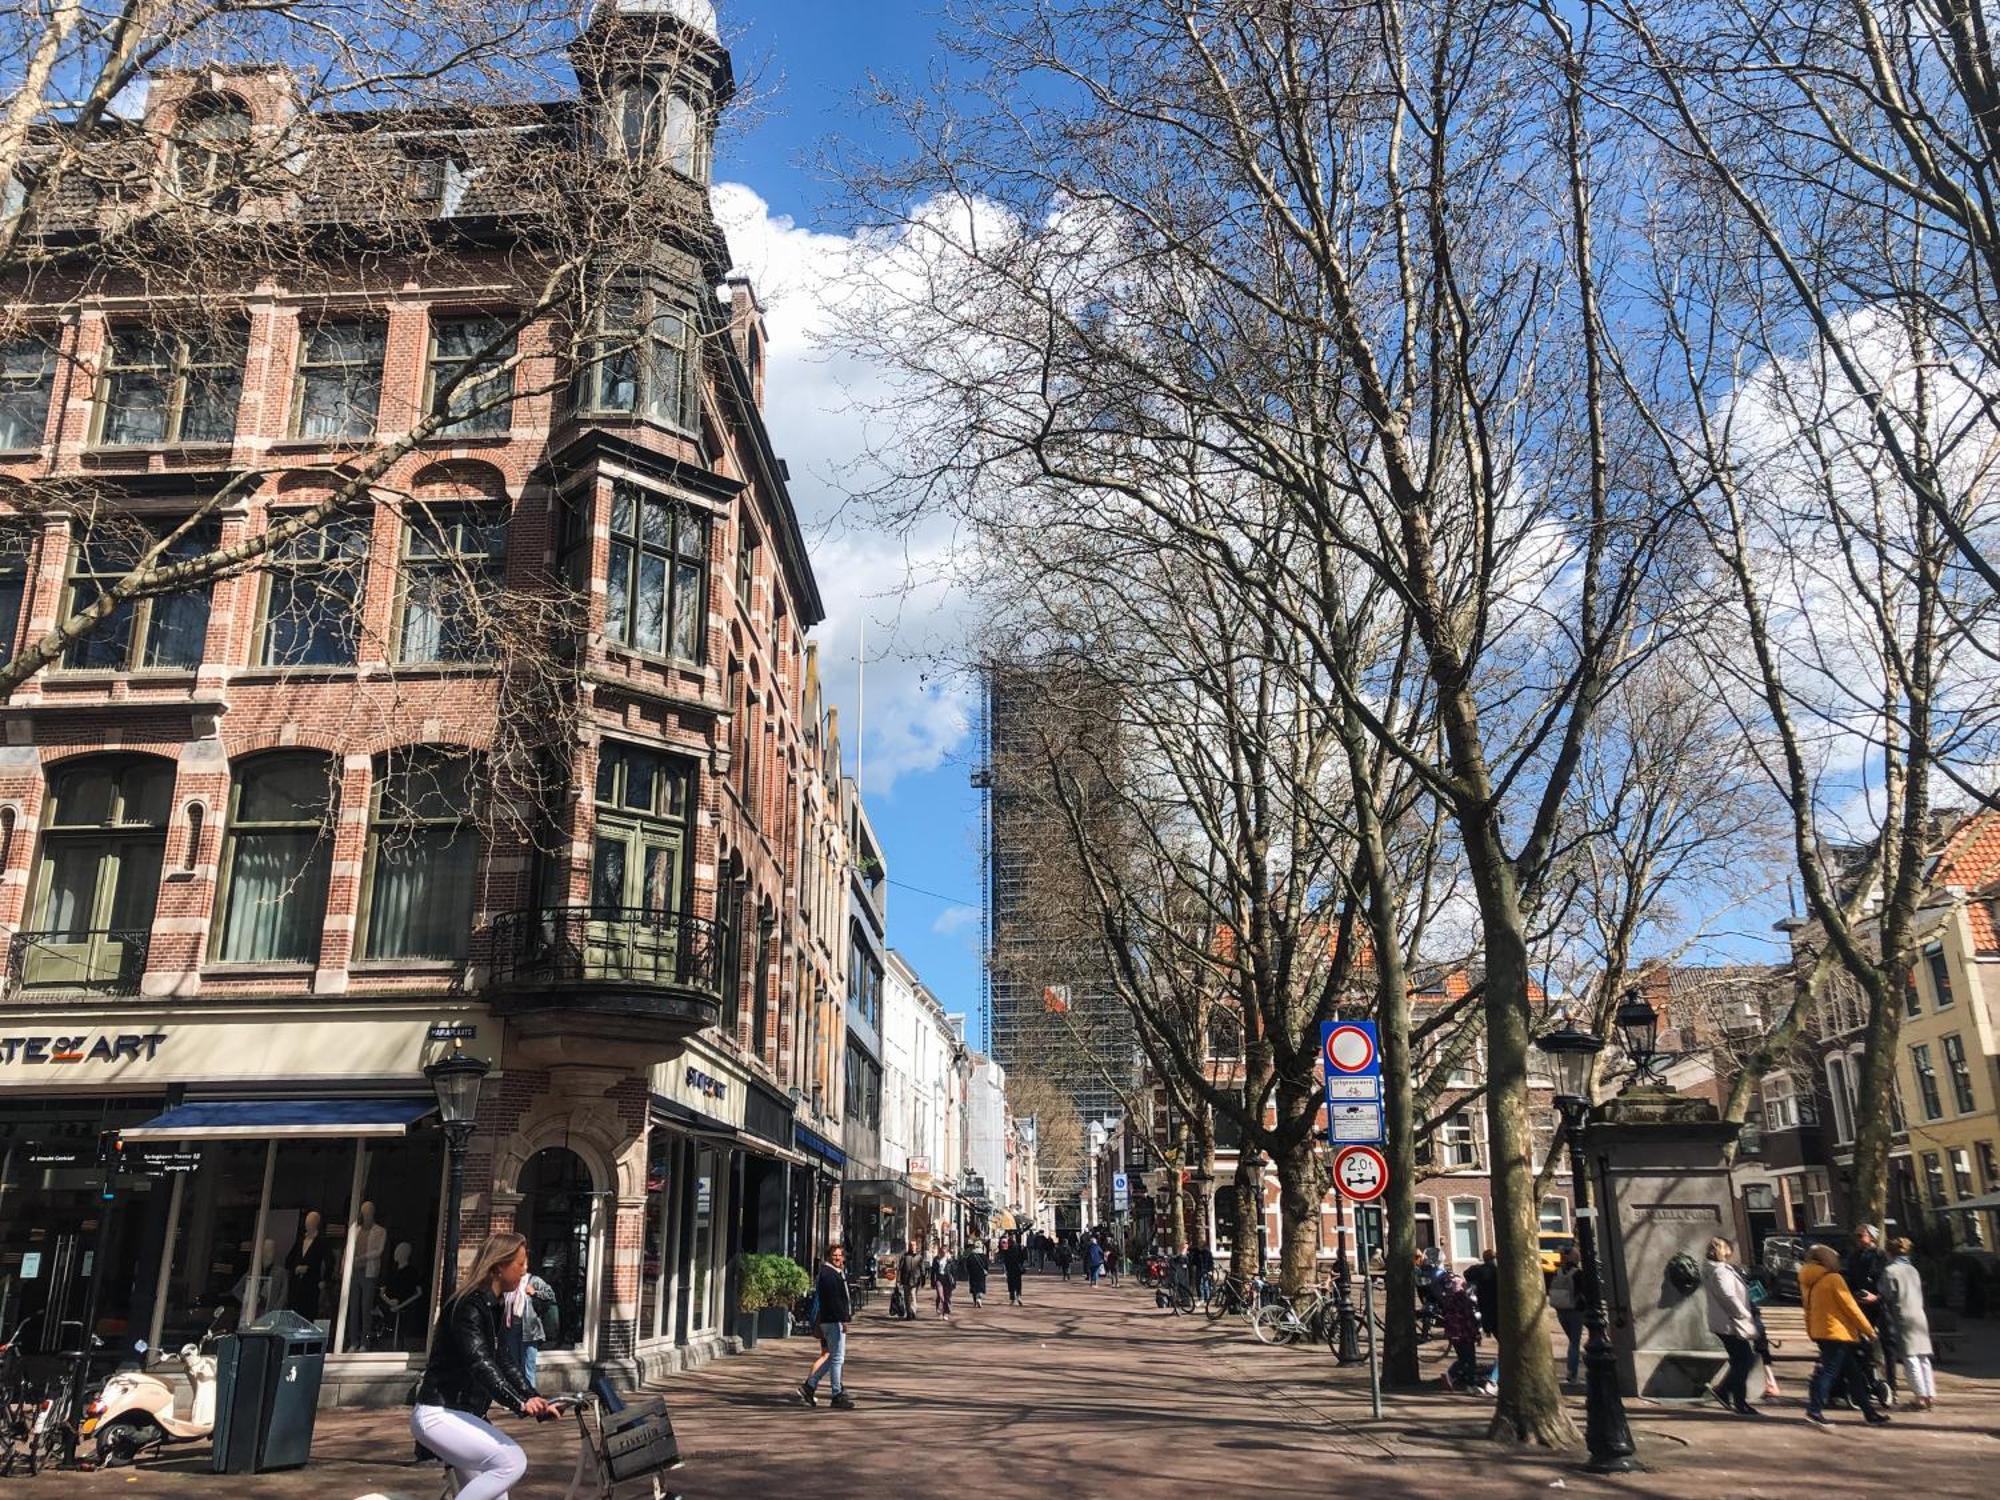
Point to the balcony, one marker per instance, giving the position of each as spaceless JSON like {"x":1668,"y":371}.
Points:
{"x":64,"y":963}
{"x":603,"y":985}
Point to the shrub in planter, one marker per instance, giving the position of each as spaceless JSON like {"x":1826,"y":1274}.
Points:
{"x":766,"y":1286}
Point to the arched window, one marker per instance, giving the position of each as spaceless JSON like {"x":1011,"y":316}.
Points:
{"x":423,"y":855}
{"x":683,"y":146}
{"x":637,"y":114}
{"x":208,"y":148}
{"x":104,"y":834}
{"x":275,"y":860}
{"x":556,"y":1195}
{"x":653,"y":120}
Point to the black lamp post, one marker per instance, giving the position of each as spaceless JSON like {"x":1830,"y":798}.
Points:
{"x":455,"y":1079}
{"x":1639,"y":1029}
{"x":1606,"y":1433}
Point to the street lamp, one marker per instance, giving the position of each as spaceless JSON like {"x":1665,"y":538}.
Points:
{"x":1639,"y":1029}
{"x":1571,"y":1053}
{"x":455,"y":1079}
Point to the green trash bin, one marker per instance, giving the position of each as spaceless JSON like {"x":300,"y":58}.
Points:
{"x":267,"y":1394}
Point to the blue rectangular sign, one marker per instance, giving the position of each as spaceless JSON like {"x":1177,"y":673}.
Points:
{"x":1350,"y":1052}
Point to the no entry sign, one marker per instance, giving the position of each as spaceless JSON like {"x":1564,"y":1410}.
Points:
{"x":1361,"y":1173}
{"x":1353,"y":1062}
{"x":1349,"y":1049}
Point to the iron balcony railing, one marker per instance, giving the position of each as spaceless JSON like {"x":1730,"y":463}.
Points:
{"x":607,"y":946}
{"x":102,"y":961}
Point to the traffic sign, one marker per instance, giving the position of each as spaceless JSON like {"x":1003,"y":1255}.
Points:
{"x":1354,"y":1124}
{"x":1361,"y":1173}
{"x":1349,"y":1049}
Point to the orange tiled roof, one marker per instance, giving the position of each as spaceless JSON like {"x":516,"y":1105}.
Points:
{"x":1971,"y":855}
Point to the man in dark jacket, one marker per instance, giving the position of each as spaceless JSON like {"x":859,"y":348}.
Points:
{"x":1863,"y":1269}
{"x":1484,"y":1282}
{"x":910,"y":1278}
{"x":1013,"y":1260}
{"x":834,"y":1310}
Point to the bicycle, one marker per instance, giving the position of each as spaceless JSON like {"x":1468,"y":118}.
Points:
{"x":1234,"y":1294}
{"x":55,"y":1431}
{"x":622,"y":1450}
{"x":17,"y":1409}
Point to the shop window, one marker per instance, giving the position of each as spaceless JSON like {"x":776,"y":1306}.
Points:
{"x":27,"y":378}
{"x":339,"y":384}
{"x":312,"y":599}
{"x":215,"y":1260}
{"x":655,"y":1269}
{"x":168,"y":387}
{"x":276,"y":857}
{"x":395,"y":1230}
{"x":16,"y":546}
{"x":105,"y":833}
{"x":475,"y":351}
{"x":454,"y":562}
{"x":423,"y":856}
{"x":165,"y":631}
{"x":701,"y":1219}
{"x":556,"y":1196}
{"x":657,"y":584}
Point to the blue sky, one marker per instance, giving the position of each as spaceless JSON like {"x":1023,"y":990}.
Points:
{"x":804,"y":63}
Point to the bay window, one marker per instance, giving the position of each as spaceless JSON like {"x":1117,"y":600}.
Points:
{"x":642,"y":358}
{"x":638,"y":861}
{"x":656,"y":588}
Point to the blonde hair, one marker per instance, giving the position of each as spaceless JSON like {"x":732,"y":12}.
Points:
{"x":495,"y":1253}
{"x":1719,"y":1248}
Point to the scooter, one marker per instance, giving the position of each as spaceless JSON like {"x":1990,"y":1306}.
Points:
{"x":135,"y":1411}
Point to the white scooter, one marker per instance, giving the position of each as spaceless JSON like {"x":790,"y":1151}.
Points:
{"x":135,"y":1411}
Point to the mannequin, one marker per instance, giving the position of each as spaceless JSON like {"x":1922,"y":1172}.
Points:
{"x":370,"y":1241}
{"x":306,"y":1266}
{"x":402,"y":1291}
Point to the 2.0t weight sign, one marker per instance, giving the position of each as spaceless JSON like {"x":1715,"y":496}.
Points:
{"x":1361,"y":1173}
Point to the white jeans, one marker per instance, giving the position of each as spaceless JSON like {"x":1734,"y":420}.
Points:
{"x":1922,"y":1381}
{"x":488,"y":1462}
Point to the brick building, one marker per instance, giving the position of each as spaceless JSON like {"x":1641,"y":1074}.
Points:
{"x":272,"y":843}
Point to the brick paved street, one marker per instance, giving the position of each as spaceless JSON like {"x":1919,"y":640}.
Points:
{"x":1095,"y":1393}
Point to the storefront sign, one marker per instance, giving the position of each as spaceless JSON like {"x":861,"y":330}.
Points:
{"x":920,"y":1166}
{"x":99,"y":1047}
{"x":160,"y":1161}
{"x":704,"y":1082}
{"x":245,"y":1044}
{"x":704,"y":1085}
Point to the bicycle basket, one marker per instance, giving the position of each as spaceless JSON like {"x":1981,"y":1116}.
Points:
{"x":639,"y":1441}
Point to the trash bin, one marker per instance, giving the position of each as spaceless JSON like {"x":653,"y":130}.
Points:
{"x":267,"y":1394}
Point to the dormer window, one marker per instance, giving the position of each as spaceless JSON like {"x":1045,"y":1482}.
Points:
{"x":208,"y":148}
{"x":655,"y":121}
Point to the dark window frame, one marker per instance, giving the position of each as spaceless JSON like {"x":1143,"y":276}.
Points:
{"x":313,"y":882}
{"x":308,"y":371}
{"x":177,"y":364}
{"x":23,"y":388}
{"x":476,"y":390}
{"x":142,"y":651}
{"x":680,"y":554}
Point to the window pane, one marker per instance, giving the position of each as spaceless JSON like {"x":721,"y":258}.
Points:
{"x":179,"y":627}
{"x":618,"y":594}
{"x":312,"y":1187}
{"x":651,"y":613}
{"x":72,"y":890}
{"x":137,"y":885}
{"x":607,"y":871}
{"x":277,"y":897}
{"x":312,"y":615}
{"x":109,"y":642}
{"x":420,"y":905}
{"x":215,"y":1241}
{"x":135,"y":407}
{"x":27,"y":376}
{"x":687,"y":641}
{"x":654,"y":524}
{"x":208,"y":414}
{"x":395,"y":1235}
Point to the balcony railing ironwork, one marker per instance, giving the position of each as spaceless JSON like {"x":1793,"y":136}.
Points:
{"x":101,"y":961}
{"x":593,"y":947}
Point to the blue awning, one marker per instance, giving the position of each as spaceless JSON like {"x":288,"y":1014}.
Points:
{"x":247,"y":1119}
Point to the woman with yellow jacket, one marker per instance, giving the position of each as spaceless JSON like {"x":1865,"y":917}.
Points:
{"x":1835,"y":1321}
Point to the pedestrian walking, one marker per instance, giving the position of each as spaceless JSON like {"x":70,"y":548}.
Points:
{"x":1835,"y":1322}
{"x":530,"y":1315}
{"x":1093,"y":1260}
{"x":943,"y":1280}
{"x":1114,"y":1258}
{"x":909,"y":1279}
{"x":975,"y":1273}
{"x":1903,"y":1292}
{"x":1063,"y":1258}
{"x":1013,"y":1260}
{"x":1864,"y":1267}
{"x":1731,"y":1319}
{"x":1568,"y":1307}
{"x":832,"y":1310}
{"x":1484,"y":1282}
{"x":1201,"y":1260}
{"x":1461,"y":1331}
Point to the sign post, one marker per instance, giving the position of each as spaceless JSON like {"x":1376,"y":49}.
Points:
{"x":1356,"y":1129}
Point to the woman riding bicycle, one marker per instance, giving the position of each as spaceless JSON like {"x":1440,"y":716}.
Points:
{"x":469,"y":1369}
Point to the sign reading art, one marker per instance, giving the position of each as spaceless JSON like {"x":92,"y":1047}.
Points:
{"x":103,"y":1046}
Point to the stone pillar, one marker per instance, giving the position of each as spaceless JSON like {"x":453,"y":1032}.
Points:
{"x":1659,"y":1169}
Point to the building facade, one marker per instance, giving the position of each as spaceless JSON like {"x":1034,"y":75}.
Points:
{"x":264,"y":853}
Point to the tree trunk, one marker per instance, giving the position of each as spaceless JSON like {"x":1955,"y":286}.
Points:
{"x":1300,"y":1193}
{"x":1248,"y":1186}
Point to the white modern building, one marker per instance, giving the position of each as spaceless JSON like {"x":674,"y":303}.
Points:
{"x":922,"y":1101}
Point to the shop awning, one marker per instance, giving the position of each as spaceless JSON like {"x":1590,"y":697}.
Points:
{"x":247,"y":1119}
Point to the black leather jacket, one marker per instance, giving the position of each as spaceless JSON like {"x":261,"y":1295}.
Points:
{"x":470,"y":1366}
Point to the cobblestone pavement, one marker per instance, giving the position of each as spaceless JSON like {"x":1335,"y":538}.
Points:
{"x":1093,"y":1392}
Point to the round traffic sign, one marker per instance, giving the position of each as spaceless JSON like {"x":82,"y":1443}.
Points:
{"x":1361,"y":1173}
{"x":1349,"y":1049}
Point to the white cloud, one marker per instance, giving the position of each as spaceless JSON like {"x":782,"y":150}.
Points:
{"x":895,"y":591}
{"x":952,"y":918}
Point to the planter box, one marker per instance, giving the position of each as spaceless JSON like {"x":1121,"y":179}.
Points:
{"x":746,"y":1329}
{"x":774,"y":1323}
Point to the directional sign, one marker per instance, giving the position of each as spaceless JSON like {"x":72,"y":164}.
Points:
{"x":1349,"y":1049}
{"x":1361,"y":1173}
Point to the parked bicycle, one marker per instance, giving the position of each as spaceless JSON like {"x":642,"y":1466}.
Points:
{"x":1234,"y":1294}
{"x":17,"y":1408}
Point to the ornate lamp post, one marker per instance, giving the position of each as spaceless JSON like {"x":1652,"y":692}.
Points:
{"x":1609,"y":1439}
{"x":1639,"y":1030}
{"x":455,"y":1079}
